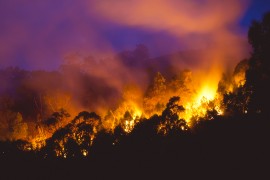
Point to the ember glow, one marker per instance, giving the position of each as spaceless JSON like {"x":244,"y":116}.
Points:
{"x":126,"y":88}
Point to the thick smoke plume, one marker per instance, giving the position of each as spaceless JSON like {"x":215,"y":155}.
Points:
{"x":207,"y":24}
{"x":98,"y":77}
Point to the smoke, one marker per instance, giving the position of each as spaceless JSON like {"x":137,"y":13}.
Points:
{"x":180,"y":17}
{"x":209,"y":25}
{"x":38,"y":34}
{"x":45,"y":35}
{"x":98,"y":84}
{"x":197,"y":24}
{"x":202,"y":25}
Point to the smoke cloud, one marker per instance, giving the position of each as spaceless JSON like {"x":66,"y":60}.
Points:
{"x":83,"y":38}
{"x":197,"y":24}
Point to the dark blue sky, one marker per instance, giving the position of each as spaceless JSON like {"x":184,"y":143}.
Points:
{"x":39,"y":34}
{"x":255,"y":11}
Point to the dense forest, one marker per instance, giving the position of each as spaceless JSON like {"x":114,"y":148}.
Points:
{"x":130,"y":133}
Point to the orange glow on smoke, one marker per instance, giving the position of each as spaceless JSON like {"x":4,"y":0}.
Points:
{"x":197,"y":89}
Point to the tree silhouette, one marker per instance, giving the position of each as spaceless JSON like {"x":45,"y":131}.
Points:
{"x":72,"y":148}
{"x":258,"y":76}
{"x":237,"y":102}
{"x":170,"y":120}
{"x":55,"y":121}
{"x":87,"y":117}
{"x":104,"y":144}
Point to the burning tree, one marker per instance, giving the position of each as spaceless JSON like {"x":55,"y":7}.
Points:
{"x":159,"y":106}
{"x":170,"y":118}
{"x":155,"y":96}
{"x":19,"y":129}
{"x":56,"y":120}
{"x":76,"y":138}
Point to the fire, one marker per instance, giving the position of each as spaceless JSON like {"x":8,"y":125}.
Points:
{"x":130,"y":115}
{"x":128,"y":112}
{"x":206,"y":92}
{"x":200,"y":104}
{"x":194,"y":101}
{"x":84,"y":152}
{"x":137,"y":113}
{"x":129,"y":123}
{"x":196,"y":96}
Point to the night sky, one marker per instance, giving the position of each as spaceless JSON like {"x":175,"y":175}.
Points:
{"x":39,"y":34}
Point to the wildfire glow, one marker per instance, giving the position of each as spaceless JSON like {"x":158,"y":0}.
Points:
{"x":89,"y":95}
{"x":130,"y":123}
{"x":194,"y":100}
{"x":198,"y":106}
{"x":206,"y":92}
{"x":197,"y":100}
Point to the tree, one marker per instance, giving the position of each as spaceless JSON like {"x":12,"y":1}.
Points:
{"x":103,"y":144}
{"x":172,"y":109}
{"x":56,"y":119}
{"x":126,"y":122}
{"x":236,"y":95}
{"x":170,"y":120}
{"x":237,"y":102}
{"x":19,"y":129}
{"x":90,"y":118}
{"x":155,"y":100}
{"x":257,"y":76}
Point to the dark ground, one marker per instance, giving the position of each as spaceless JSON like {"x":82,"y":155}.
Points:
{"x":225,"y":148}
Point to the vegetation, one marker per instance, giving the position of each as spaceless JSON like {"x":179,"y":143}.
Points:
{"x":236,"y":140}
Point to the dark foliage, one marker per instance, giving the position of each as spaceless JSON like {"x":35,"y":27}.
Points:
{"x":232,"y":146}
{"x":258,"y":77}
